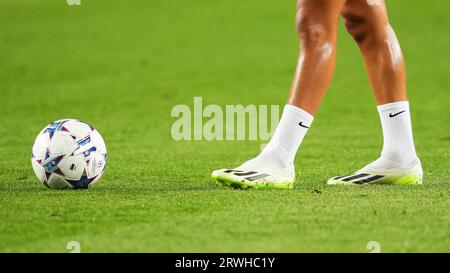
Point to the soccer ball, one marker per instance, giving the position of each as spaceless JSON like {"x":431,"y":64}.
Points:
{"x":68,"y":154}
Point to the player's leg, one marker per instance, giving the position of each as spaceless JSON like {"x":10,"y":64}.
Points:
{"x":316,"y":23}
{"x":367,"y":22}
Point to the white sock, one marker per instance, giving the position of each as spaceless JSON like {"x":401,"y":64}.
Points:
{"x":397,"y":132}
{"x":281,"y":150}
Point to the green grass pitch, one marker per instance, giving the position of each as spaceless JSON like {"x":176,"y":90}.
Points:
{"x":123,"y":65}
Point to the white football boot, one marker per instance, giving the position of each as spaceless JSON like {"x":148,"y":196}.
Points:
{"x":260,"y":172}
{"x":383,"y":171}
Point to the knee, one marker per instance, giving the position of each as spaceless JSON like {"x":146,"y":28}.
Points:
{"x":363,"y":31}
{"x":309,"y":29}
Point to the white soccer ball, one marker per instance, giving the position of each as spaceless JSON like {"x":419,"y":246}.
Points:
{"x":69,"y":154}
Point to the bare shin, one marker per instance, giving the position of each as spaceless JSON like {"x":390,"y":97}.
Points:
{"x":368,"y":23}
{"x":316,"y":23}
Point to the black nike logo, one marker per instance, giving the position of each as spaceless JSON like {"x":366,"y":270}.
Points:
{"x":303,"y":125}
{"x":393,"y":115}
